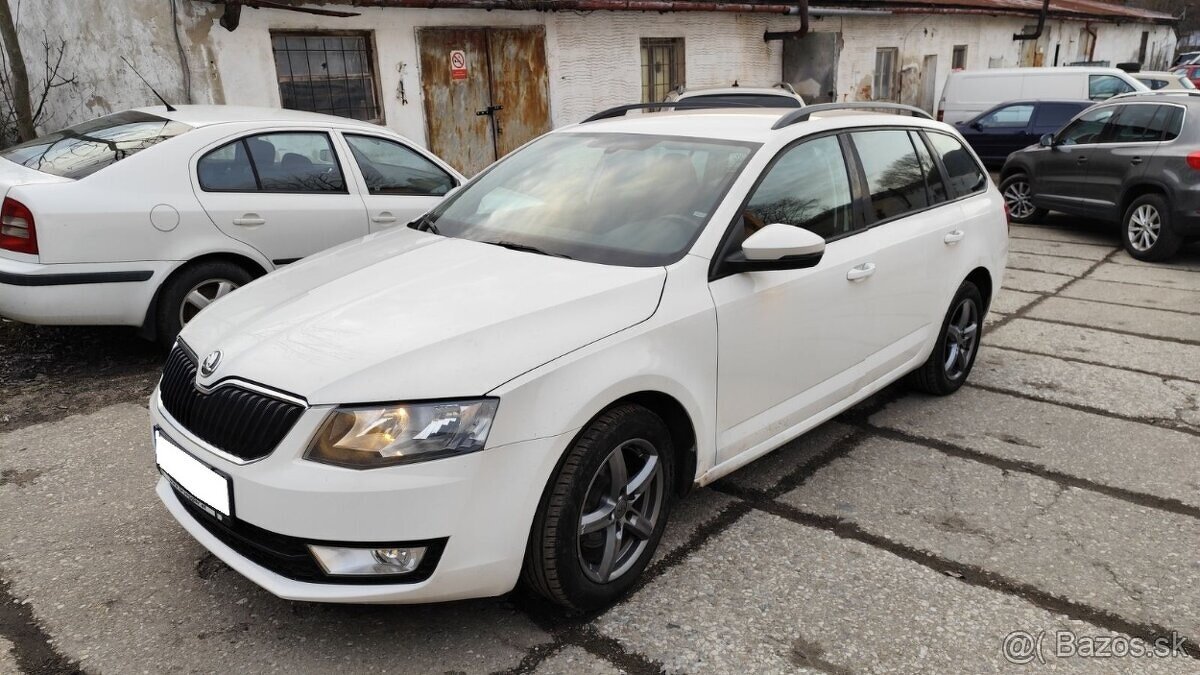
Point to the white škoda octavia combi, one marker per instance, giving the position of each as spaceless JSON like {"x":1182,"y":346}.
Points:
{"x":143,"y":217}
{"x":519,"y":385}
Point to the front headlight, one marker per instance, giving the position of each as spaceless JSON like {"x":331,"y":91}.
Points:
{"x":370,"y":437}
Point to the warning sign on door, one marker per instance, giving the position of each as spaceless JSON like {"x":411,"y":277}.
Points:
{"x":458,"y":64}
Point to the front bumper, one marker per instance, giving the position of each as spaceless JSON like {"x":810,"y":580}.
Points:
{"x":79,"y":294}
{"x":480,"y":506}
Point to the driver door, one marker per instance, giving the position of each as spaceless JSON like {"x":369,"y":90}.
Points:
{"x":1061,"y":182}
{"x":789,"y":341}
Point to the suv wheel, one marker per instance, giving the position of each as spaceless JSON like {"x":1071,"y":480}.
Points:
{"x":953,"y":355}
{"x":1147,"y":233}
{"x":604,"y":512}
{"x":1016,"y":192}
{"x":192,"y":289}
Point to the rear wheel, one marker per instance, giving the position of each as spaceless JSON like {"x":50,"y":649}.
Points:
{"x":604,"y":512}
{"x":1146,"y":231}
{"x":953,"y":355}
{"x":1016,"y":191}
{"x":192,"y":289}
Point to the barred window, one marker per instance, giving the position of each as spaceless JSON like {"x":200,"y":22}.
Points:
{"x":331,"y":73}
{"x":662,"y":67}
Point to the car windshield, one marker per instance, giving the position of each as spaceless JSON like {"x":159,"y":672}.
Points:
{"x":618,"y":199}
{"x":86,"y":148}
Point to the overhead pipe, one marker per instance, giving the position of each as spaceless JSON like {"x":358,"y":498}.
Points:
{"x":1037,"y":33}
{"x":539,"y":5}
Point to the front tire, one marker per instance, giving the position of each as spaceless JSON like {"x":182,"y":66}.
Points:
{"x":1146,"y":229}
{"x":604,"y":512}
{"x":953,"y":355}
{"x":192,"y":289}
{"x":1016,"y":191}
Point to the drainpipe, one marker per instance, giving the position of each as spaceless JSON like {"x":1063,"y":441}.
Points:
{"x":1037,"y":33}
{"x":779,"y":35}
{"x":1087,"y":27}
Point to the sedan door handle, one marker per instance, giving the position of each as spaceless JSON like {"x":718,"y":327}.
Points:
{"x":384,"y":217}
{"x":1082,"y":160}
{"x":954,"y":237}
{"x":1136,"y":160}
{"x":250,"y":219}
{"x":861,"y":272}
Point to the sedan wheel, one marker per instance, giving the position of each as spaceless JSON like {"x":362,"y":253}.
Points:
{"x":620,"y":511}
{"x":953,"y":354}
{"x":961,"y":332}
{"x":201,"y":295}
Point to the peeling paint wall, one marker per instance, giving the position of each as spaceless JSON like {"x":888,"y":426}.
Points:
{"x":594,"y":58}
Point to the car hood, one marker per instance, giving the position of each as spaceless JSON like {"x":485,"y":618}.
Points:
{"x":410,"y":315}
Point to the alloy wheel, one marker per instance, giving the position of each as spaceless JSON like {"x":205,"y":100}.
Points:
{"x":961,"y":338}
{"x":1144,"y":227}
{"x":620,"y":511}
{"x":201,"y":296}
{"x":1016,"y":196}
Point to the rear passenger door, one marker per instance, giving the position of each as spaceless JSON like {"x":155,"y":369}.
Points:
{"x":283,"y":192}
{"x":397,"y":182}
{"x":1127,"y":148}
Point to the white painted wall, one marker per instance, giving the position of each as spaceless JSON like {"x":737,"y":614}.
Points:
{"x":594,"y":59}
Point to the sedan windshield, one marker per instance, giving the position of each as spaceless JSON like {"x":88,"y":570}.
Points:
{"x":619,"y":199}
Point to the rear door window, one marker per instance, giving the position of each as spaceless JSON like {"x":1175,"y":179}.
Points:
{"x":895,"y":178}
{"x":294,"y":162}
{"x":84,"y":149}
{"x":1135,"y":124}
{"x":1169,"y":121}
{"x":963,"y":173}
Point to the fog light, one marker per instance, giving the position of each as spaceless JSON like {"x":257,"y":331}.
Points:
{"x":338,"y":561}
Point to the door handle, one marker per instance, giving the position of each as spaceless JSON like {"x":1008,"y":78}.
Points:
{"x":861,"y":272}
{"x":1136,"y":160}
{"x":384,"y":217}
{"x":954,"y":237}
{"x":489,"y":111}
{"x":250,"y":219}
{"x":1082,"y":160}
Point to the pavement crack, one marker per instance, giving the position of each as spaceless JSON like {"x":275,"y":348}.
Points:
{"x":33,"y":648}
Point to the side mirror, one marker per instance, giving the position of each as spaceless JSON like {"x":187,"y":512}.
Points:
{"x":976,"y":126}
{"x":778,"y":247}
{"x":1046,"y":141}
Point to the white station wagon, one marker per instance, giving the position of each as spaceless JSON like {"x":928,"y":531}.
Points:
{"x":143,"y":217}
{"x":518,"y":386}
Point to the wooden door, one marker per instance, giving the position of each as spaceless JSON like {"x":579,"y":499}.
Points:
{"x":492,"y":102}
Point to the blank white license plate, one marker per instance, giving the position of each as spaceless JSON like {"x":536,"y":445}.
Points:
{"x":201,"y":481}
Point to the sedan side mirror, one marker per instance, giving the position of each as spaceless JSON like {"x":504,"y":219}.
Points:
{"x":778,"y":247}
{"x":1046,"y":141}
{"x":976,"y":126}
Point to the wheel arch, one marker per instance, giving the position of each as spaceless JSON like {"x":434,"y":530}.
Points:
{"x":1136,"y":190}
{"x":149,"y":329}
{"x":983,"y":281}
{"x":679,"y":423}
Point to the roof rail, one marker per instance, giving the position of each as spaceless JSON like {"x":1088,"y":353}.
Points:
{"x":1154,"y":92}
{"x":786,"y":87}
{"x":802,"y":114}
{"x":684,"y":104}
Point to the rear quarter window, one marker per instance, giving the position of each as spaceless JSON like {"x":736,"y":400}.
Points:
{"x":84,"y":149}
{"x":963,"y":173}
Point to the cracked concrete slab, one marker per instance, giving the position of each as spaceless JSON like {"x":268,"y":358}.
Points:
{"x":1074,"y":236}
{"x":1043,"y":263}
{"x":1146,"y":459}
{"x":122,"y":588}
{"x":688,"y":515}
{"x":1125,"y":393}
{"x":1009,"y":301}
{"x":1020,"y":526}
{"x":1159,"y":275}
{"x":1034,"y":282}
{"x":1101,"y":347}
{"x":771,"y":596}
{"x":1187,"y":259}
{"x":1056,"y":248}
{"x":576,"y":661}
{"x":1150,"y":297}
{"x":1147,"y":322}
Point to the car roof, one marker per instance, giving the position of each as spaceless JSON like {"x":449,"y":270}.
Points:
{"x":1081,"y":101}
{"x":742,"y":124}
{"x":205,"y":115}
{"x":990,"y":72}
{"x":1155,"y":73}
{"x":1188,"y":97}
{"x":725,"y":91}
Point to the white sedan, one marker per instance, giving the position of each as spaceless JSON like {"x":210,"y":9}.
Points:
{"x":144,"y":217}
{"x":520,"y":385}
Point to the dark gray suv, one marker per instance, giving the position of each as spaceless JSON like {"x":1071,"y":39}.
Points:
{"x":1134,"y":160}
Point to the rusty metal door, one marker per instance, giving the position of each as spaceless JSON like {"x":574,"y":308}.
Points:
{"x":494,"y":96}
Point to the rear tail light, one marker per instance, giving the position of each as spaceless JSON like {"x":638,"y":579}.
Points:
{"x":17,"y":232}
{"x":1193,"y":160}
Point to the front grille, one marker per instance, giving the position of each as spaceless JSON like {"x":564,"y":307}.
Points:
{"x":235,"y":420}
{"x":289,"y":556}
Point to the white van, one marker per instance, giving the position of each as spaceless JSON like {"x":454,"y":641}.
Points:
{"x":970,"y":92}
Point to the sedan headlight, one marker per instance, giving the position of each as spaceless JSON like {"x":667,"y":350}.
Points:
{"x":402,"y":433}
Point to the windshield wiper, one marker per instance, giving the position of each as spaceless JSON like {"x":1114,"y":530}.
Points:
{"x":527,"y":248}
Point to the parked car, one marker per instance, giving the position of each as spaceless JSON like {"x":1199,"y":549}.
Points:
{"x":1191,"y":72}
{"x":1010,"y":126}
{"x":781,"y":95}
{"x":519,"y":387}
{"x":1187,"y":58}
{"x":144,"y":217}
{"x":1133,"y":161}
{"x":1158,"y":80}
{"x":970,"y":92}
